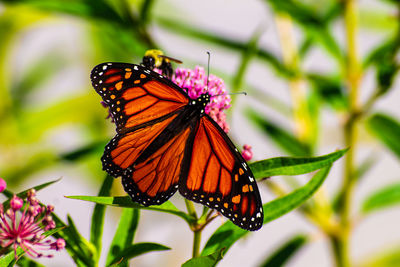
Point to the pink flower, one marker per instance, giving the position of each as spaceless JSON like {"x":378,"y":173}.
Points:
{"x":247,"y":154}
{"x":25,"y":228}
{"x":194,"y":82}
{"x":3,"y":185}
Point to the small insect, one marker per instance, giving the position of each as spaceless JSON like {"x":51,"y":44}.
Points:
{"x":154,"y":58}
{"x":166,"y":142}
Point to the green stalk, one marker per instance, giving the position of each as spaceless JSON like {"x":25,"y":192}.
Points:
{"x":341,"y":243}
{"x":194,"y":227}
{"x":191,"y":209}
{"x":196,"y":243}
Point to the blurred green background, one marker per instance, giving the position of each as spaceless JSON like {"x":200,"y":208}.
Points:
{"x":297,"y":60}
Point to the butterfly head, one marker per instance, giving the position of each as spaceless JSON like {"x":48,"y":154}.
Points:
{"x":201,"y":102}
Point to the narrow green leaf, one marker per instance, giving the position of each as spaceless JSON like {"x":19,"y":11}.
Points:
{"x":227,"y":234}
{"x":83,"y":151}
{"x":28,"y":262}
{"x":73,"y":243}
{"x":246,"y":57}
{"x":280,"y":256}
{"x":38,"y":73}
{"x":206,"y":261}
{"x":80,"y":250}
{"x":9,"y":258}
{"x":124,"y":235}
{"x":145,"y":11}
{"x":285,"y":140}
{"x":88,"y":9}
{"x":311,"y":22}
{"x":126,"y":202}
{"x":137,"y":250}
{"x":382,"y":198}
{"x":387,"y":130}
{"x":330,"y":89}
{"x":293,"y":166}
{"x":24,"y":193}
{"x":386,"y":258}
{"x":96,"y":230}
{"x":182,"y":28}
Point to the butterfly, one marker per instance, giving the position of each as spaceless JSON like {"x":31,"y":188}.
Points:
{"x":165,"y":142}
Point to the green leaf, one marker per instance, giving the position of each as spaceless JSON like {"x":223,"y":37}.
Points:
{"x":80,"y":250}
{"x":384,"y":57}
{"x":137,"y":250}
{"x":285,"y":140}
{"x":87,"y":9}
{"x":92,"y":148}
{"x":312,"y":23}
{"x":124,"y":235}
{"x":182,"y":28}
{"x":37,"y":74}
{"x":205,"y":261}
{"x":27,"y":262}
{"x":24,"y":194}
{"x":382,"y":198}
{"x":9,"y":258}
{"x":126,"y":202}
{"x":330,"y":89}
{"x":145,"y":11}
{"x":227,"y":234}
{"x":246,"y":57}
{"x":387,"y":130}
{"x":386,"y":258}
{"x":67,"y":110}
{"x":293,"y":166}
{"x":287,"y":250}
{"x":96,"y":230}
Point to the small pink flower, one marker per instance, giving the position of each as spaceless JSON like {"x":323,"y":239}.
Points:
{"x":247,"y":153}
{"x":25,"y":228}
{"x":59,"y":244}
{"x":194,"y":82}
{"x":3,"y":185}
{"x":16,"y":203}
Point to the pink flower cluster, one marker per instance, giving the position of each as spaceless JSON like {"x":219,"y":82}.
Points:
{"x":247,"y":153}
{"x":25,"y":228}
{"x":194,"y":82}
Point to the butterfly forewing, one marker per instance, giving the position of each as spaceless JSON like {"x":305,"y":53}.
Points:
{"x":136,"y":96}
{"x":216,"y":175}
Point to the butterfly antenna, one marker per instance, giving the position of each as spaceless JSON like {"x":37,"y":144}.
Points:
{"x":238,"y":93}
{"x":208,"y":69}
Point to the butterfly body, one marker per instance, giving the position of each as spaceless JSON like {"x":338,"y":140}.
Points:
{"x":166,"y":142}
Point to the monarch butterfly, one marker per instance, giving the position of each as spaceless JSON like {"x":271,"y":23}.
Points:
{"x":165,"y":142}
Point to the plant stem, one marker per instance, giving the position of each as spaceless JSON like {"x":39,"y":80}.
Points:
{"x":191,"y":209}
{"x":196,"y":243}
{"x":297,"y":84}
{"x":341,"y":244}
{"x":194,"y":227}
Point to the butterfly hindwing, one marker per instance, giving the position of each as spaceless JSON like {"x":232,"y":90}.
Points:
{"x":125,"y":148}
{"x":216,"y":175}
{"x":154,"y":180}
{"x":135,"y":95}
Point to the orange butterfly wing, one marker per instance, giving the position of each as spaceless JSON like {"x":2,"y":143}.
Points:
{"x":136,"y":95}
{"x":216,"y":175}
